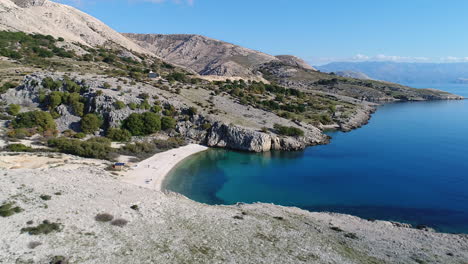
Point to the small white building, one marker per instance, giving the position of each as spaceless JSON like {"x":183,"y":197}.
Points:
{"x":153,"y":75}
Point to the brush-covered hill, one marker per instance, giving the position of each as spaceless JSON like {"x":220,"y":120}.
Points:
{"x":50,"y":18}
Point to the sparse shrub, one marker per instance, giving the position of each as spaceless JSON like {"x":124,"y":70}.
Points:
{"x":80,"y":135}
{"x":337,"y":229}
{"x":135,"y":207}
{"x":35,"y":119}
{"x":133,"y":106}
{"x":46,"y":227}
{"x":106,"y":85}
{"x":351,"y":235}
{"x":45,"y":197}
{"x":167,"y":123}
{"x":117,"y":134}
{"x":145,"y":105}
{"x":142,"y":124}
{"x":119,"y":105}
{"x":119,"y":222}
{"x":9,"y":209}
{"x":206,"y":126}
{"x":49,"y":83}
{"x":156,"y":108}
{"x":90,"y":123}
{"x":288,"y":131}
{"x":18,"y":148}
{"x":14,"y":109}
{"x":97,"y":148}
{"x":104,"y":217}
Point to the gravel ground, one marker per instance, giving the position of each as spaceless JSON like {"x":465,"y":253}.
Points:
{"x":169,"y":228}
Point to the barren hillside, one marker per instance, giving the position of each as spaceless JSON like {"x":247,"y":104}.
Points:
{"x":49,"y":18}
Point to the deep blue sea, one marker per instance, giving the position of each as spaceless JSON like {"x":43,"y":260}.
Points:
{"x":409,"y":164}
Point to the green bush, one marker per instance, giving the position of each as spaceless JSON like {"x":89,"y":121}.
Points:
{"x":168,"y":122}
{"x":36,"y":119}
{"x":18,"y":148}
{"x":142,"y":124}
{"x":45,"y":228}
{"x":80,"y":135}
{"x":90,"y":123}
{"x":145,"y":105}
{"x":144,"y":150}
{"x":49,"y":83}
{"x":6,"y":86}
{"x":9,"y":209}
{"x":288,"y":131}
{"x":98,"y":148}
{"x":133,"y":106}
{"x":119,"y":105}
{"x":14,"y":109}
{"x":117,"y":134}
{"x":177,"y":76}
{"x":156,"y":108}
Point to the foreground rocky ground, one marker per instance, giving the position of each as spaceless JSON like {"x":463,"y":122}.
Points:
{"x":168,"y":228}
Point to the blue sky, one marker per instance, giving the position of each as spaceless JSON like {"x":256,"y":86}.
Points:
{"x":318,"y":31}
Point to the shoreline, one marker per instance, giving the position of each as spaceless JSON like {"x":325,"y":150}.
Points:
{"x":150,"y":173}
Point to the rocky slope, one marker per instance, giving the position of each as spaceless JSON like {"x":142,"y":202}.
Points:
{"x":234,"y":125}
{"x":366,"y":90}
{"x":295,"y":62}
{"x":50,"y":18}
{"x":168,"y":228}
{"x":204,"y":55}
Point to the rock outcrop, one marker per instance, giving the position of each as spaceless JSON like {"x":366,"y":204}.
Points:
{"x":226,"y":136}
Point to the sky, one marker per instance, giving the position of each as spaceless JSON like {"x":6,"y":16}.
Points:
{"x":319,"y":31}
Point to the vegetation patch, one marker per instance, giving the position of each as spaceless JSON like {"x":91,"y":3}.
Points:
{"x":40,"y":120}
{"x":98,"y":148}
{"x":288,"y":131}
{"x":119,"y":222}
{"x":147,"y":149}
{"x":45,"y":197}
{"x":104,"y":217}
{"x":45,"y":228}
{"x":9,"y":209}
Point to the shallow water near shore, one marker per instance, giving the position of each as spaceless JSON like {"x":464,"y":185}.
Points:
{"x":409,"y":164}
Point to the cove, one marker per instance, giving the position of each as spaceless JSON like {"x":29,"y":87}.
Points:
{"x":409,"y":164}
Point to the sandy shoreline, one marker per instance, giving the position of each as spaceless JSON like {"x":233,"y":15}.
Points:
{"x":151,"y":172}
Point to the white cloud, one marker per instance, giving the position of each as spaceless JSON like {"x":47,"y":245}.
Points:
{"x":383,"y":57}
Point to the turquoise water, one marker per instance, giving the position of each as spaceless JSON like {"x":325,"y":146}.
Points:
{"x":410,"y":164}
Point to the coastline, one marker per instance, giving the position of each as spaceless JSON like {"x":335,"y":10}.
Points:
{"x":150,"y":173}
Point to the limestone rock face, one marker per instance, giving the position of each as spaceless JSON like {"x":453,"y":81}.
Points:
{"x":226,"y":136}
{"x":67,"y":120}
{"x":24,"y":95}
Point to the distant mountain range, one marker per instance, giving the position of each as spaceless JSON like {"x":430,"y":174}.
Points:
{"x":404,"y":73}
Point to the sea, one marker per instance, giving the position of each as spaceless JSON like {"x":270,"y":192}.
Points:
{"x":409,"y":164}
